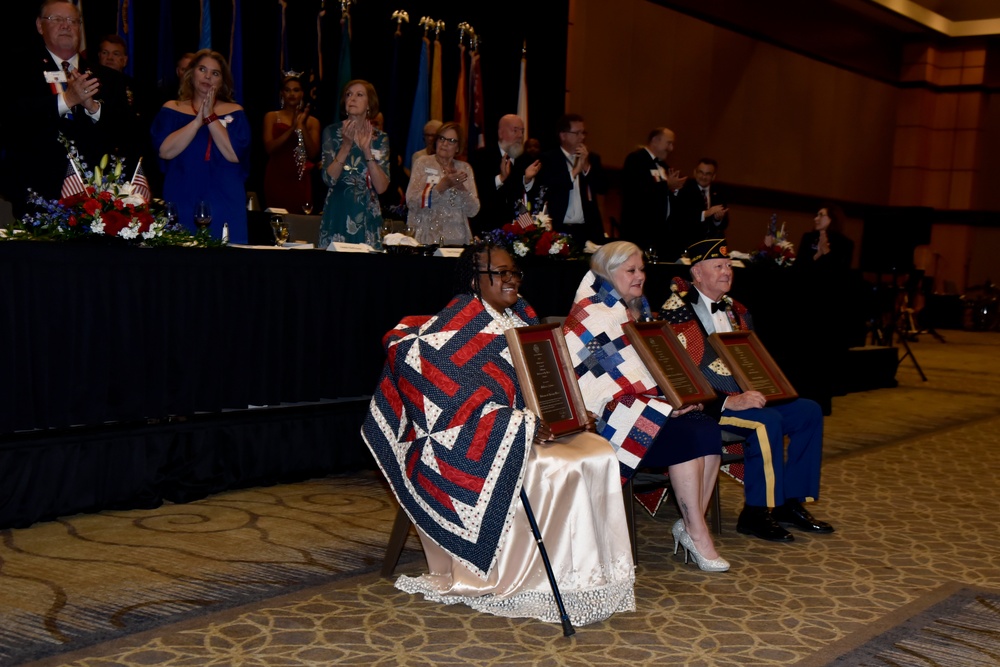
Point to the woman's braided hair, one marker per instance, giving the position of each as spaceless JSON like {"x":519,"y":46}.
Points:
{"x":470,"y":263}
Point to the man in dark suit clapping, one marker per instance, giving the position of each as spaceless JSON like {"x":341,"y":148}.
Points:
{"x":502,"y":176}
{"x":573,"y":177}
{"x":58,"y":92}
{"x":649,"y":197}
{"x":702,"y":205}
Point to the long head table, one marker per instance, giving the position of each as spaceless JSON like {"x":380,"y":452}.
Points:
{"x":106,"y":336}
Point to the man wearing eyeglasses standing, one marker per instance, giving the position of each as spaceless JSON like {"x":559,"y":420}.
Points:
{"x":58,"y":92}
{"x":573,"y":178}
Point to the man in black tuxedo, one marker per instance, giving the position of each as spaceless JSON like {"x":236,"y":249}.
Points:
{"x":502,"y":176}
{"x":702,"y":204}
{"x":649,"y":197}
{"x":573,"y":177}
{"x":55,"y":93}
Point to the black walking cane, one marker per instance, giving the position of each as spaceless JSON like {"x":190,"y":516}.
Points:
{"x":563,"y":616}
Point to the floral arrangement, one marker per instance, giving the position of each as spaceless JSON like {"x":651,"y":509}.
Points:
{"x":775,"y":249}
{"x":102,"y":203}
{"x":534,"y":239}
{"x":533,"y":234}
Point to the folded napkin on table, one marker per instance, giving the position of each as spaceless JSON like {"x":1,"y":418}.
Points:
{"x":399,"y":239}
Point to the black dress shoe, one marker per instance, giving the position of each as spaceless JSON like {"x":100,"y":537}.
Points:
{"x":793,"y":513}
{"x":759,"y":522}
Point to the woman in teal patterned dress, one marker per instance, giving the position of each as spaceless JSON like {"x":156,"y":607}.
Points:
{"x":356,"y":168}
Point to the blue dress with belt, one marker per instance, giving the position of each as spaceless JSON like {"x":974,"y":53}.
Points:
{"x":201,"y":172}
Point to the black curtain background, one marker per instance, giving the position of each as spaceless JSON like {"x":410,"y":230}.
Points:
{"x":503,"y":28}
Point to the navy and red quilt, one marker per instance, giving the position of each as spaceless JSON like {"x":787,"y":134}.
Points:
{"x":448,"y":427}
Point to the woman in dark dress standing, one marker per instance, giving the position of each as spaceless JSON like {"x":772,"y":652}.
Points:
{"x":826,"y":246}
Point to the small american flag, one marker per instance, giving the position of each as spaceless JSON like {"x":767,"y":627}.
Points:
{"x":523,"y":216}
{"x":72,"y":184}
{"x":140,"y":186}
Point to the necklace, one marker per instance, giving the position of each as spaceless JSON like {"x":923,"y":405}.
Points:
{"x":507,"y":320}
{"x":300,"y":153}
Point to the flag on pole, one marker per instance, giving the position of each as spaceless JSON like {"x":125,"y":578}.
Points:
{"x":319,"y":42}
{"x":83,"y":33}
{"x":344,"y":68}
{"x":393,"y":121}
{"x":522,"y":90}
{"x":72,"y":183}
{"x":236,"y":51}
{"x":166,"y":66}
{"x":282,"y":36}
{"x":205,"y":38}
{"x":477,"y":120}
{"x":419,"y":117}
{"x":140,"y":186}
{"x":126,"y":29}
{"x":460,"y":91}
{"x":524,"y":219}
{"x":437,"y":96}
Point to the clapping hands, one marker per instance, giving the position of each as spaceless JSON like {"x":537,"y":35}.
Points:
{"x":453,"y":178}
{"x":359,"y":132}
{"x":301,"y":118}
{"x":82,"y":88}
{"x":674,"y":179}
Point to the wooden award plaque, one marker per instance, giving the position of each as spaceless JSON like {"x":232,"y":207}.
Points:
{"x":752,"y":366}
{"x":675,"y":373}
{"x":545,"y":372}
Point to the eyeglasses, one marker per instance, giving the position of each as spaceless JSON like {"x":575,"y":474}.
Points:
{"x":579,"y":133}
{"x":506,"y":275}
{"x":59,"y":20}
{"x":448,"y":140}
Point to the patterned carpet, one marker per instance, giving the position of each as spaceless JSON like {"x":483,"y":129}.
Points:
{"x":960,"y":630}
{"x":910,"y":481}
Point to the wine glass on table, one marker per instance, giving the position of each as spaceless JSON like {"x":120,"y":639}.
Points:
{"x":280,"y":229}
{"x":307,"y":208}
{"x":170,"y":211}
{"x":202,"y":216}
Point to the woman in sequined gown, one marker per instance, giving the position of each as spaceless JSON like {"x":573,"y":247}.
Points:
{"x":291,"y":139}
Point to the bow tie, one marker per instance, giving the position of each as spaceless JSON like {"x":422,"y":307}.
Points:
{"x":719,"y":305}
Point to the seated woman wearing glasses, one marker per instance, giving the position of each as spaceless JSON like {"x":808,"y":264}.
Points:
{"x":450,"y":431}
{"x":633,"y":414}
{"x":442,"y":192}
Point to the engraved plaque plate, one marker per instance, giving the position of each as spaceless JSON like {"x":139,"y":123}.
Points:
{"x":752,"y":366}
{"x":675,"y":373}
{"x":545,"y":373}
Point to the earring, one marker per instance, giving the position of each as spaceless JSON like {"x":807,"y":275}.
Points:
{"x":281,"y":103}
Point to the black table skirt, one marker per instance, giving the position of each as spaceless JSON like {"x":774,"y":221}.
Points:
{"x":103,"y":346}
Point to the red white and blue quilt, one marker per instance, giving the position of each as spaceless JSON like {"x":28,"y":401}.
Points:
{"x":448,"y":427}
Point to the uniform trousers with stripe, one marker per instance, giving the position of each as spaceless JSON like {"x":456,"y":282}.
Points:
{"x":771,"y":475}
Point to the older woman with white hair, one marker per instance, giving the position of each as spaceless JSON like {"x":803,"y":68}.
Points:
{"x":632,"y":412}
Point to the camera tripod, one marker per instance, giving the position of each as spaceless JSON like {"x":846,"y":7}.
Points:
{"x":890,"y":319}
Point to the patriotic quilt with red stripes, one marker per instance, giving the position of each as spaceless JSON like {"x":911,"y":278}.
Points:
{"x":448,"y":427}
